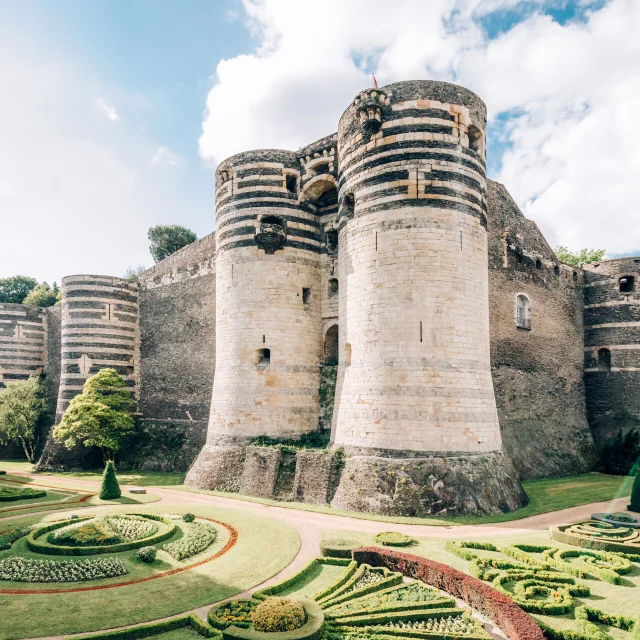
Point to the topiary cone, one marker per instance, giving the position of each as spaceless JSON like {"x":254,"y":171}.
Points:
{"x":110,"y":489}
{"x":635,"y":495}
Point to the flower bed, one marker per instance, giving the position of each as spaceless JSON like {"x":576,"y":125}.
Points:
{"x":234,"y":612}
{"x":106,"y":530}
{"x":11,"y":494}
{"x":29,"y":570}
{"x":200,"y":535}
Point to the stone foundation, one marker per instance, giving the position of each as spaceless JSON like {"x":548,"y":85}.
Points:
{"x":314,"y":474}
{"x":217,"y":468}
{"x":433,"y":486}
{"x":260,"y":471}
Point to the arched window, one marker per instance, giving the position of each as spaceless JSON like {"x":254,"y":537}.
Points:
{"x":333,"y":287}
{"x":523,"y":312}
{"x":604,"y":360}
{"x":331,"y":346}
{"x":626,"y":284}
{"x":263,"y":357}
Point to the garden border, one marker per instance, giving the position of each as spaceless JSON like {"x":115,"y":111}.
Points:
{"x":233,"y":538}
{"x":559,"y":534}
{"x":504,"y":612}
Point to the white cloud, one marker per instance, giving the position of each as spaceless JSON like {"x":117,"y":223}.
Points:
{"x":6,"y":189}
{"x":231,"y":15}
{"x":572,"y":92}
{"x":110,"y":112}
{"x":164,"y":156}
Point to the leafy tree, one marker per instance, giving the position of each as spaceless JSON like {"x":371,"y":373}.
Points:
{"x":16,"y":288}
{"x":42,"y":295}
{"x":22,"y":405}
{"x":167,"y":239}
{"x":579,"y":258}
{"x":133,"y":273}
{"x":100,"y":416}
{"x":635,"y":493}
{"x":110,"y":489}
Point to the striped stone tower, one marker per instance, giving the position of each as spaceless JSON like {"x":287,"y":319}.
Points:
{"x":99,"y":330}
{"x":612,"y":346}
{"x":23,"y":333}
{"x":414,"y":375}
{"x":268,"y":321}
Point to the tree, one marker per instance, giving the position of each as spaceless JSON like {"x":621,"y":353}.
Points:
{"x":110,"y":489}
{"x":22,"y":405}
{"x":16,"y":288}
{"x":133,"y":273}
{"x":635,"y":493}
{"x":100,"y":416}
{"x":579,"y":258}
{"x":167,"y":239}
{"x":42,"y":295}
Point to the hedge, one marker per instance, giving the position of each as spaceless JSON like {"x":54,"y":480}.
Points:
{"x":156,"y":628}
{"x":334,"y":586}
{"x":21,"y":494}
{"x":506,"y":614}
{"x":559,"y":534}
{"x":298,"y":577}
{"x":620,"y":565}
{"x":397,"y":616}
{"x":8,"y":538}
{"x":59,"y":550}
{"x":312,"y":629}
{"x":341,"y":594}
{"x":394,"y":539}
{"x":338,"y":548}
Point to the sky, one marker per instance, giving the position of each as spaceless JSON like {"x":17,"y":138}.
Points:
{"x":114,"y":113}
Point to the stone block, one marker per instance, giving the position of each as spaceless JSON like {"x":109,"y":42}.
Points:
{"x":260,"y":471}
{"x":313,"y":476}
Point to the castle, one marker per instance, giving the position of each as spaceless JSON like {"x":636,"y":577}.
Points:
{"x":465,"y":357}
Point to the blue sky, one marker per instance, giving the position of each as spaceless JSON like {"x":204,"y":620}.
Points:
{"x":119,"y":110}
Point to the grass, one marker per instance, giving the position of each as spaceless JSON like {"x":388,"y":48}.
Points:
{"x":615,"y":599}
{"x":545,"y":495}
{"x":264,"y":547}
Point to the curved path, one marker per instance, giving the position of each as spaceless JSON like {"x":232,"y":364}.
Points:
{"x":310,"y":525}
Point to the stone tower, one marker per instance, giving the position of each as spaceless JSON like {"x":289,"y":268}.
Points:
{"x":414,"y":389}
{"x":268,"y":323}
{"x":99,"y":330}
{"x":611,"y":342}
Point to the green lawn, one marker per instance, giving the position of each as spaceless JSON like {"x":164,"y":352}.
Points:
{"x":264,"y":547}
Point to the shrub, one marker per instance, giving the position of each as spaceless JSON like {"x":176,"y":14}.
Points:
{"x":234,"y":612}
{"x":338,"y":548}
{"x":29,"y":570}
{"x":394,"y":539}
{"x":147,"y":554}
{"x":188,"y":517}
{"x":10,"y":494}
{"x":278,"y":614}
{"x":8,"y":538}
{"x":635,"y":494}
{"x":110,"y":489}
{"x":199,"y":536}
{"x":2,"y":472}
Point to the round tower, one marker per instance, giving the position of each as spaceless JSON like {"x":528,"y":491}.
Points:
{"x":414,"y":377}
{"x":612,"y":346}
{"x":99,"y":331}
{"x":268,"y":322}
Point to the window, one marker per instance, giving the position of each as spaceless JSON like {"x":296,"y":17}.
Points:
{"x":348,"y":205}
{"x":538,"y":264}
{"x":604,"y":360}
{"x":475,"y":139}
{"x":292,"y":183}
{"x":306,"y":295}
{"x":523,"y":312}
{"x":575,"y":276}
{"x":263,"y":357}
{"x":626,"y":284}
{"x":332,"y":242}
{"x":321,"y":167}
{"x":556,"y":270}
{"x":333,"y":287}
{"x":331,"y":346}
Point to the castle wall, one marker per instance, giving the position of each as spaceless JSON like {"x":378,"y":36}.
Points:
{"x":612,"y":322}
{"x":99,"y":330}
{"x":177,"y":356}
{"x":537,"y":373}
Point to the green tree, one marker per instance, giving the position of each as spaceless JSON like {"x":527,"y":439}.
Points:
{"x":133,"y":273}
{"x":100,"y":416}
{"x":579,"y":258}
{"x":16,"y":288}
{"x":167,"y":239}
{"x":110,"y":489}
{"x":22,"y":405}
{"x":42,"y":295}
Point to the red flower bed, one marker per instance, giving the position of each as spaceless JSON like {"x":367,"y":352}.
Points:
{"x":506,"y":614}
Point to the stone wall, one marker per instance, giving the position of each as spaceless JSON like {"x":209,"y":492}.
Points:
{"x":612,"y":346}
{"x":537,"y":372}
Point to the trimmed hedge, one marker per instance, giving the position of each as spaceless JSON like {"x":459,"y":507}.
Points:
{"x":334,"y":586}
{"x":342,"y":594}
{"x":156,"y":628}
{"x":59,"y":550}
{"x":246,"y":609}
{"x":559,"y":534}
{"x":506,"y":614}
{"x":8,"y":538}
{"x":394,"y":539}
{"x":338,"y":548}
{"x":11,"y":494}
{"x":398,"y":616}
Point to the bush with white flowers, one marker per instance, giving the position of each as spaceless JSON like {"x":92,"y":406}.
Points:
{"x":200,"y":535}
{"x":30,"y":570}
